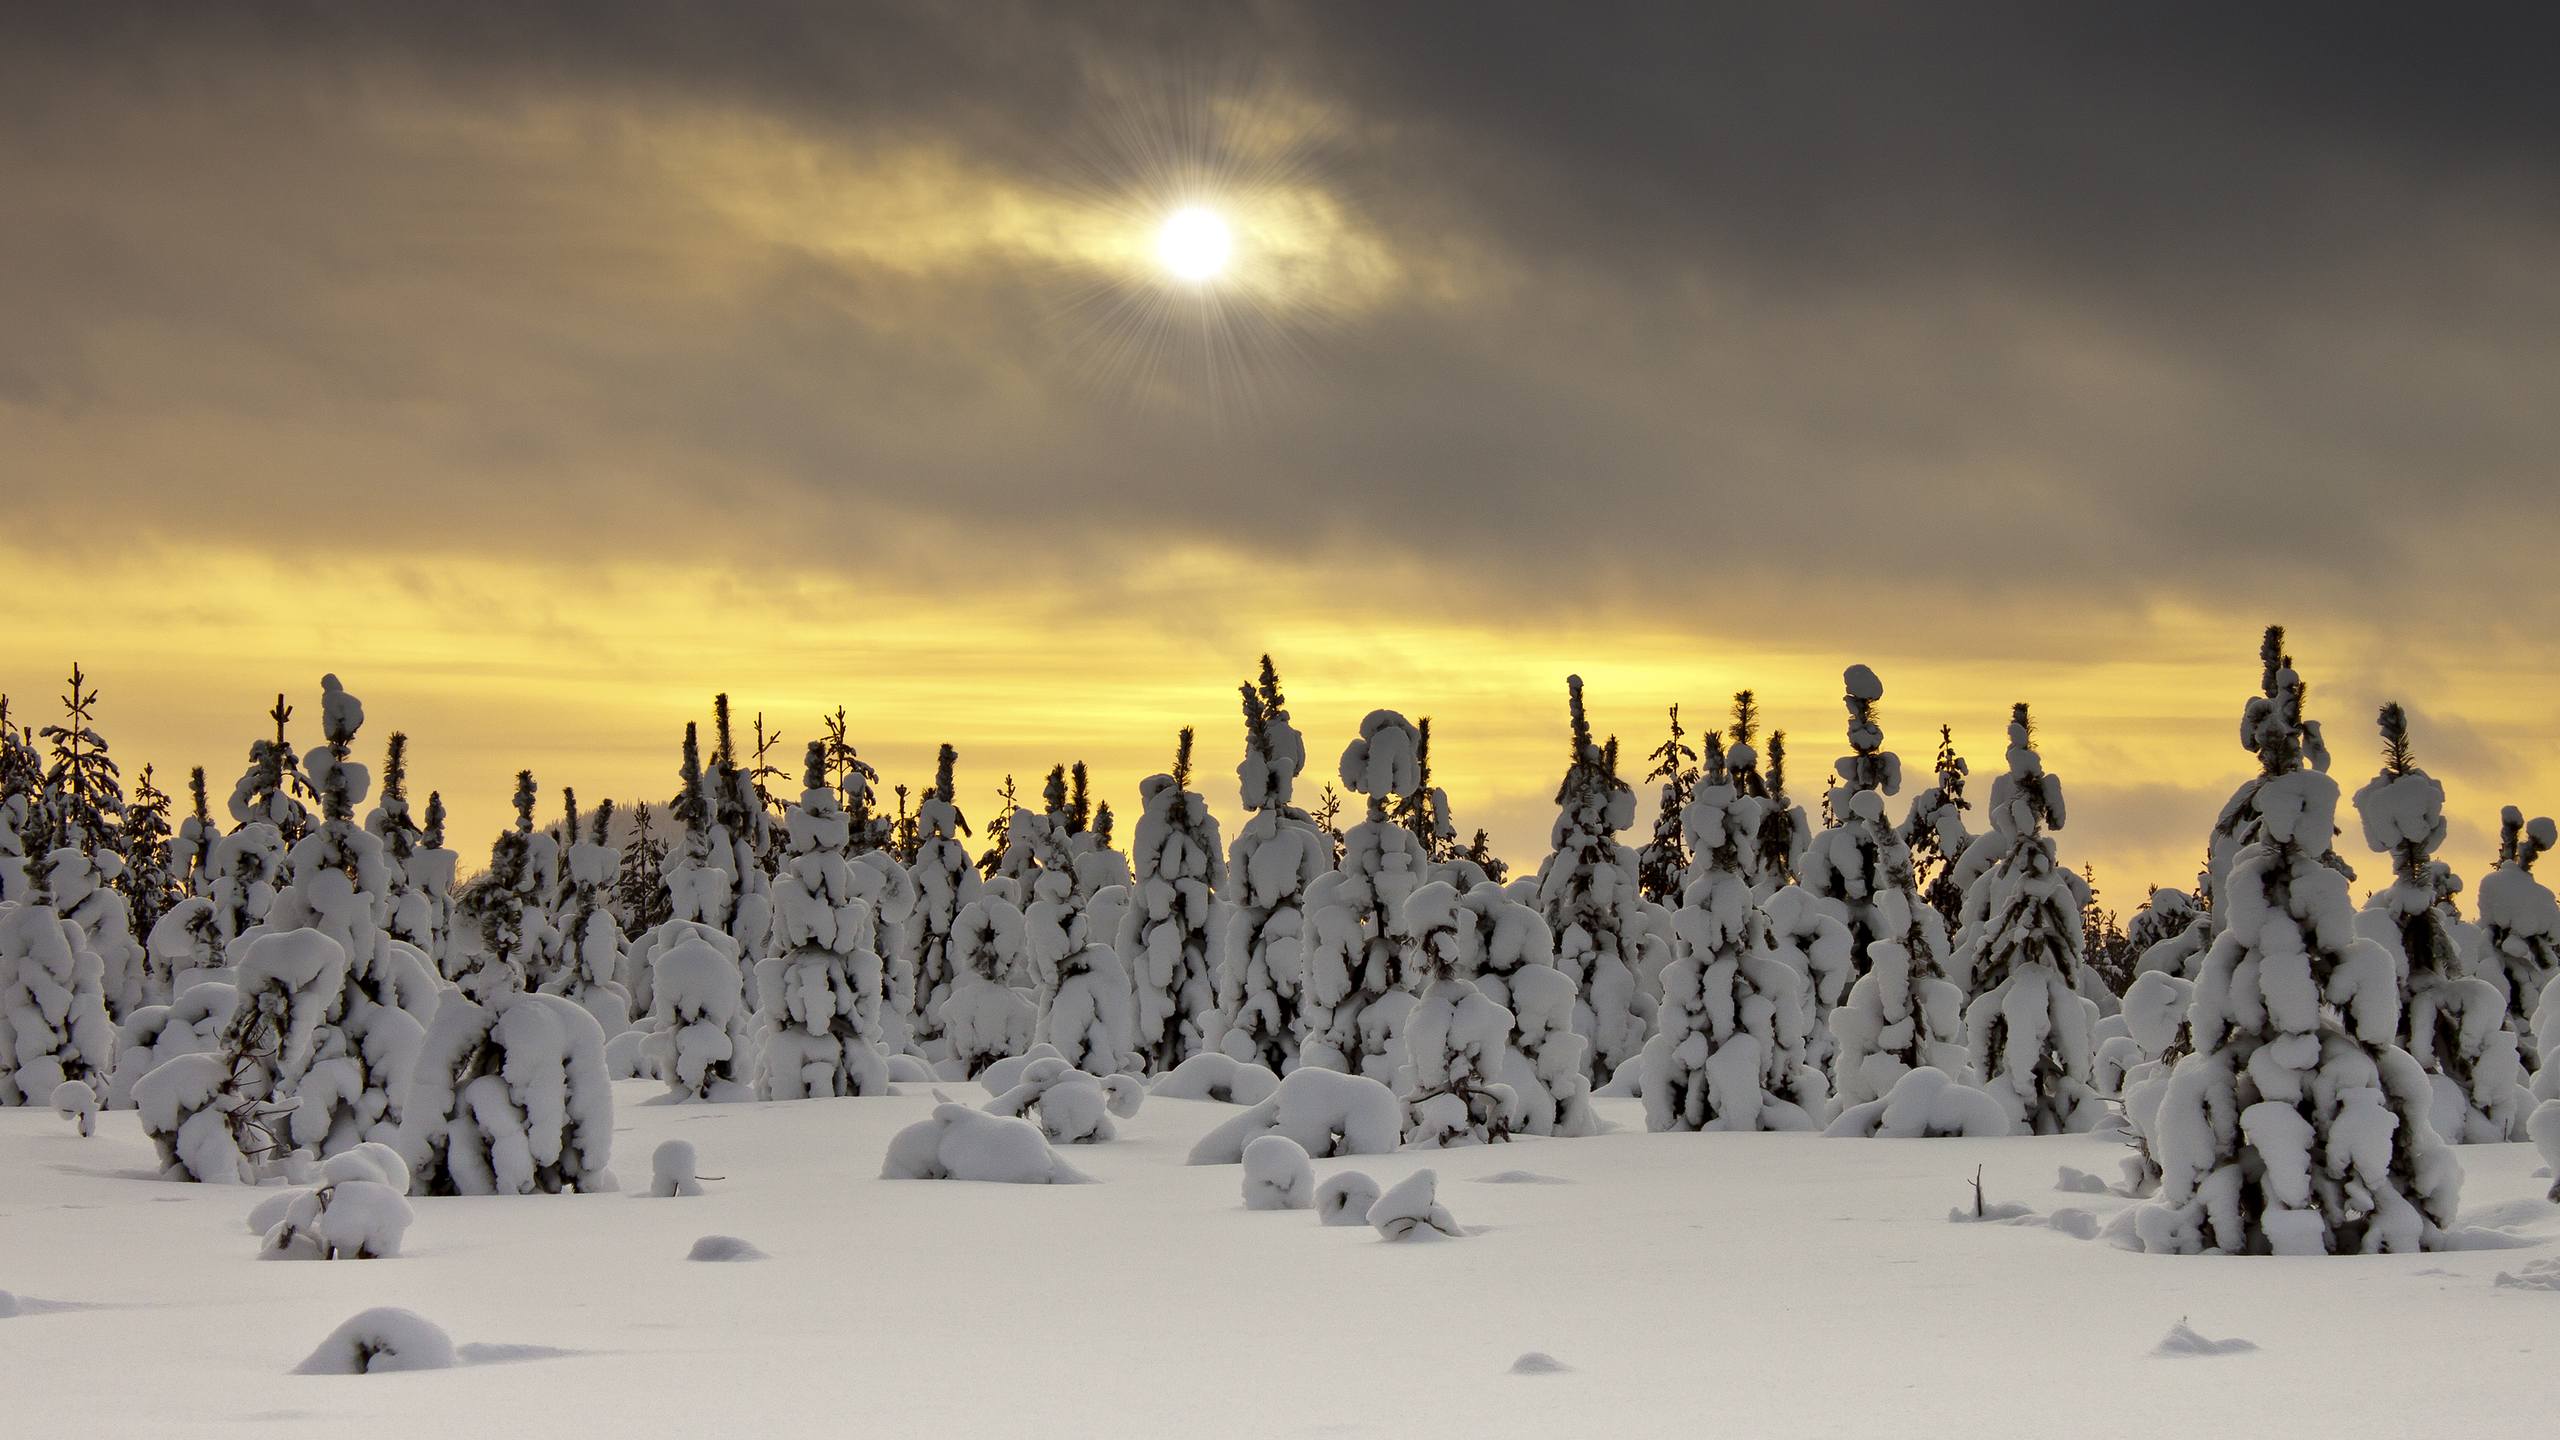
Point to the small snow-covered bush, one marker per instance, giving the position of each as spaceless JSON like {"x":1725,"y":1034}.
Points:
{"x":1345,"y":1199}
{"x":959,"y":1143}
{"x":1411,"y":1210}
{"x":353,"y":1217}
{"x":1926,"y":1103}
{"x":74,"y":1101}
{"x":1070,"y":1106}
{"x":1325,"y":1111}
{"x":380,"y":1340}
{"x":1278,"y":1175}
{"x":1006,"y":1073}
{"x":1216,"y":1077}
{"x":671,"y":1171}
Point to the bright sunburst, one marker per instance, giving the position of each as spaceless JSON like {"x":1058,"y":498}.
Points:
{"x":1195,"y":244}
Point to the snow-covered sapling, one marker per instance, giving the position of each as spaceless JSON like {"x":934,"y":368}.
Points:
{"x":1411,"y":1210}
{"x":672,"y":1173}
{"x":1070,"y":1106}
{"x":379,"y":1341}
{"x":1165,"y":934}
{"x":1344,"y":1199}
{"x":1277,"y":856}
{"x":2029,"y":1031}
{"x":2453,"y":1020}
{"x":1353,"y":1003}
{"x":2296,"y":1126}
{"x":1278,"y":1175}
{"x":74,"y":1101}
{"x":1325,"y":1111}
{"x":1586,"y":888}
{"x":961,"y":1143}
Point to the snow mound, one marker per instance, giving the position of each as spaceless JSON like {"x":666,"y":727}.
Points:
{"x":1345,"y":1199}
{"x":8,"y":1306}
{"x":910,"y":1070}
{"x":1212,"y":1076}
{"x":1926,"y":1103}
{"x":1277,"y":1175}
{"x":959,"y":1143}
{"x":724,"y":1247}
{"x":2078,"y":1182}
{"x":671,"y":1171}
{"x":2182,"y":1341}
{"x":2078,"y":1224}
{"x":381,"y":1340}
{"x":1517,"y":1177}
{"x":1538,"y":1362}
{"x":2541,"y":1274}
{"x":1325,"y":1111}
{"x":1412,"y":1210}
{"x":2003,"y":1213}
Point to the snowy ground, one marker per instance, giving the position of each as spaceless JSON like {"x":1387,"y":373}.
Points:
{"x":1721,"y":1285}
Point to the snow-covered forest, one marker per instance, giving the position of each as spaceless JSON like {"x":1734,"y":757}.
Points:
{"x":292,"y":979}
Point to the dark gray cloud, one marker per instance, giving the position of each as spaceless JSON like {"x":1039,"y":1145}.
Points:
{"x":2113,"y":304}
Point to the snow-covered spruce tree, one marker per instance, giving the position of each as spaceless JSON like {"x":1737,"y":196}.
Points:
{"x":1936,"y":834}
{"x":1731,"y":1050}
{"x":508,"y":936}
{"x":154,"y":881}
{"x":340,"y":887}
{"x":1351,"y":1000}
{"x":1784,"y":833}
{"x":1457,"y":1041}
{"x":186,"y":944}
{"x":509,"y":1096}
{"x":1587,"y":891}
{"x":1277,"y":856}
{"x":1662,"y":866}
{"x":741,"y":818}
{"x":640,"y":884}
{"x":1165,"y":934}
{"x":86,"y":867}
{"x":223,"y":1117}
{"x":1510,"y":955}
{"x":413,"y":909}
{"x":856,"y":781}
{"x":21,"y":792}
{"x":985,"y":1019}
{"x":2452,"y":1019}
{"x":54,"y":1025}
{"x":592,"y":946}
{"x":945,"y":884}
{"x":1902,"y":1012}
{"x":1010,"y":857}
{"x":2235,"y":828}
{"x":702,"y":883}
{"x":2169,"y":933}
{"x":2520,"y":927}
{"x":248,"y":863}
{"x":2029,"y":1032}
{"x":1424,"y":809}
{"x":820,"y":1027}
{"x":2296,"y":1126}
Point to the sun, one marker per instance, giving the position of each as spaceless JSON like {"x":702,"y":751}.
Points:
{"x":1194,"y":244}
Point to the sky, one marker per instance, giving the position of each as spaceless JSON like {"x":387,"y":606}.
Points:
{"x":542,"y":369}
